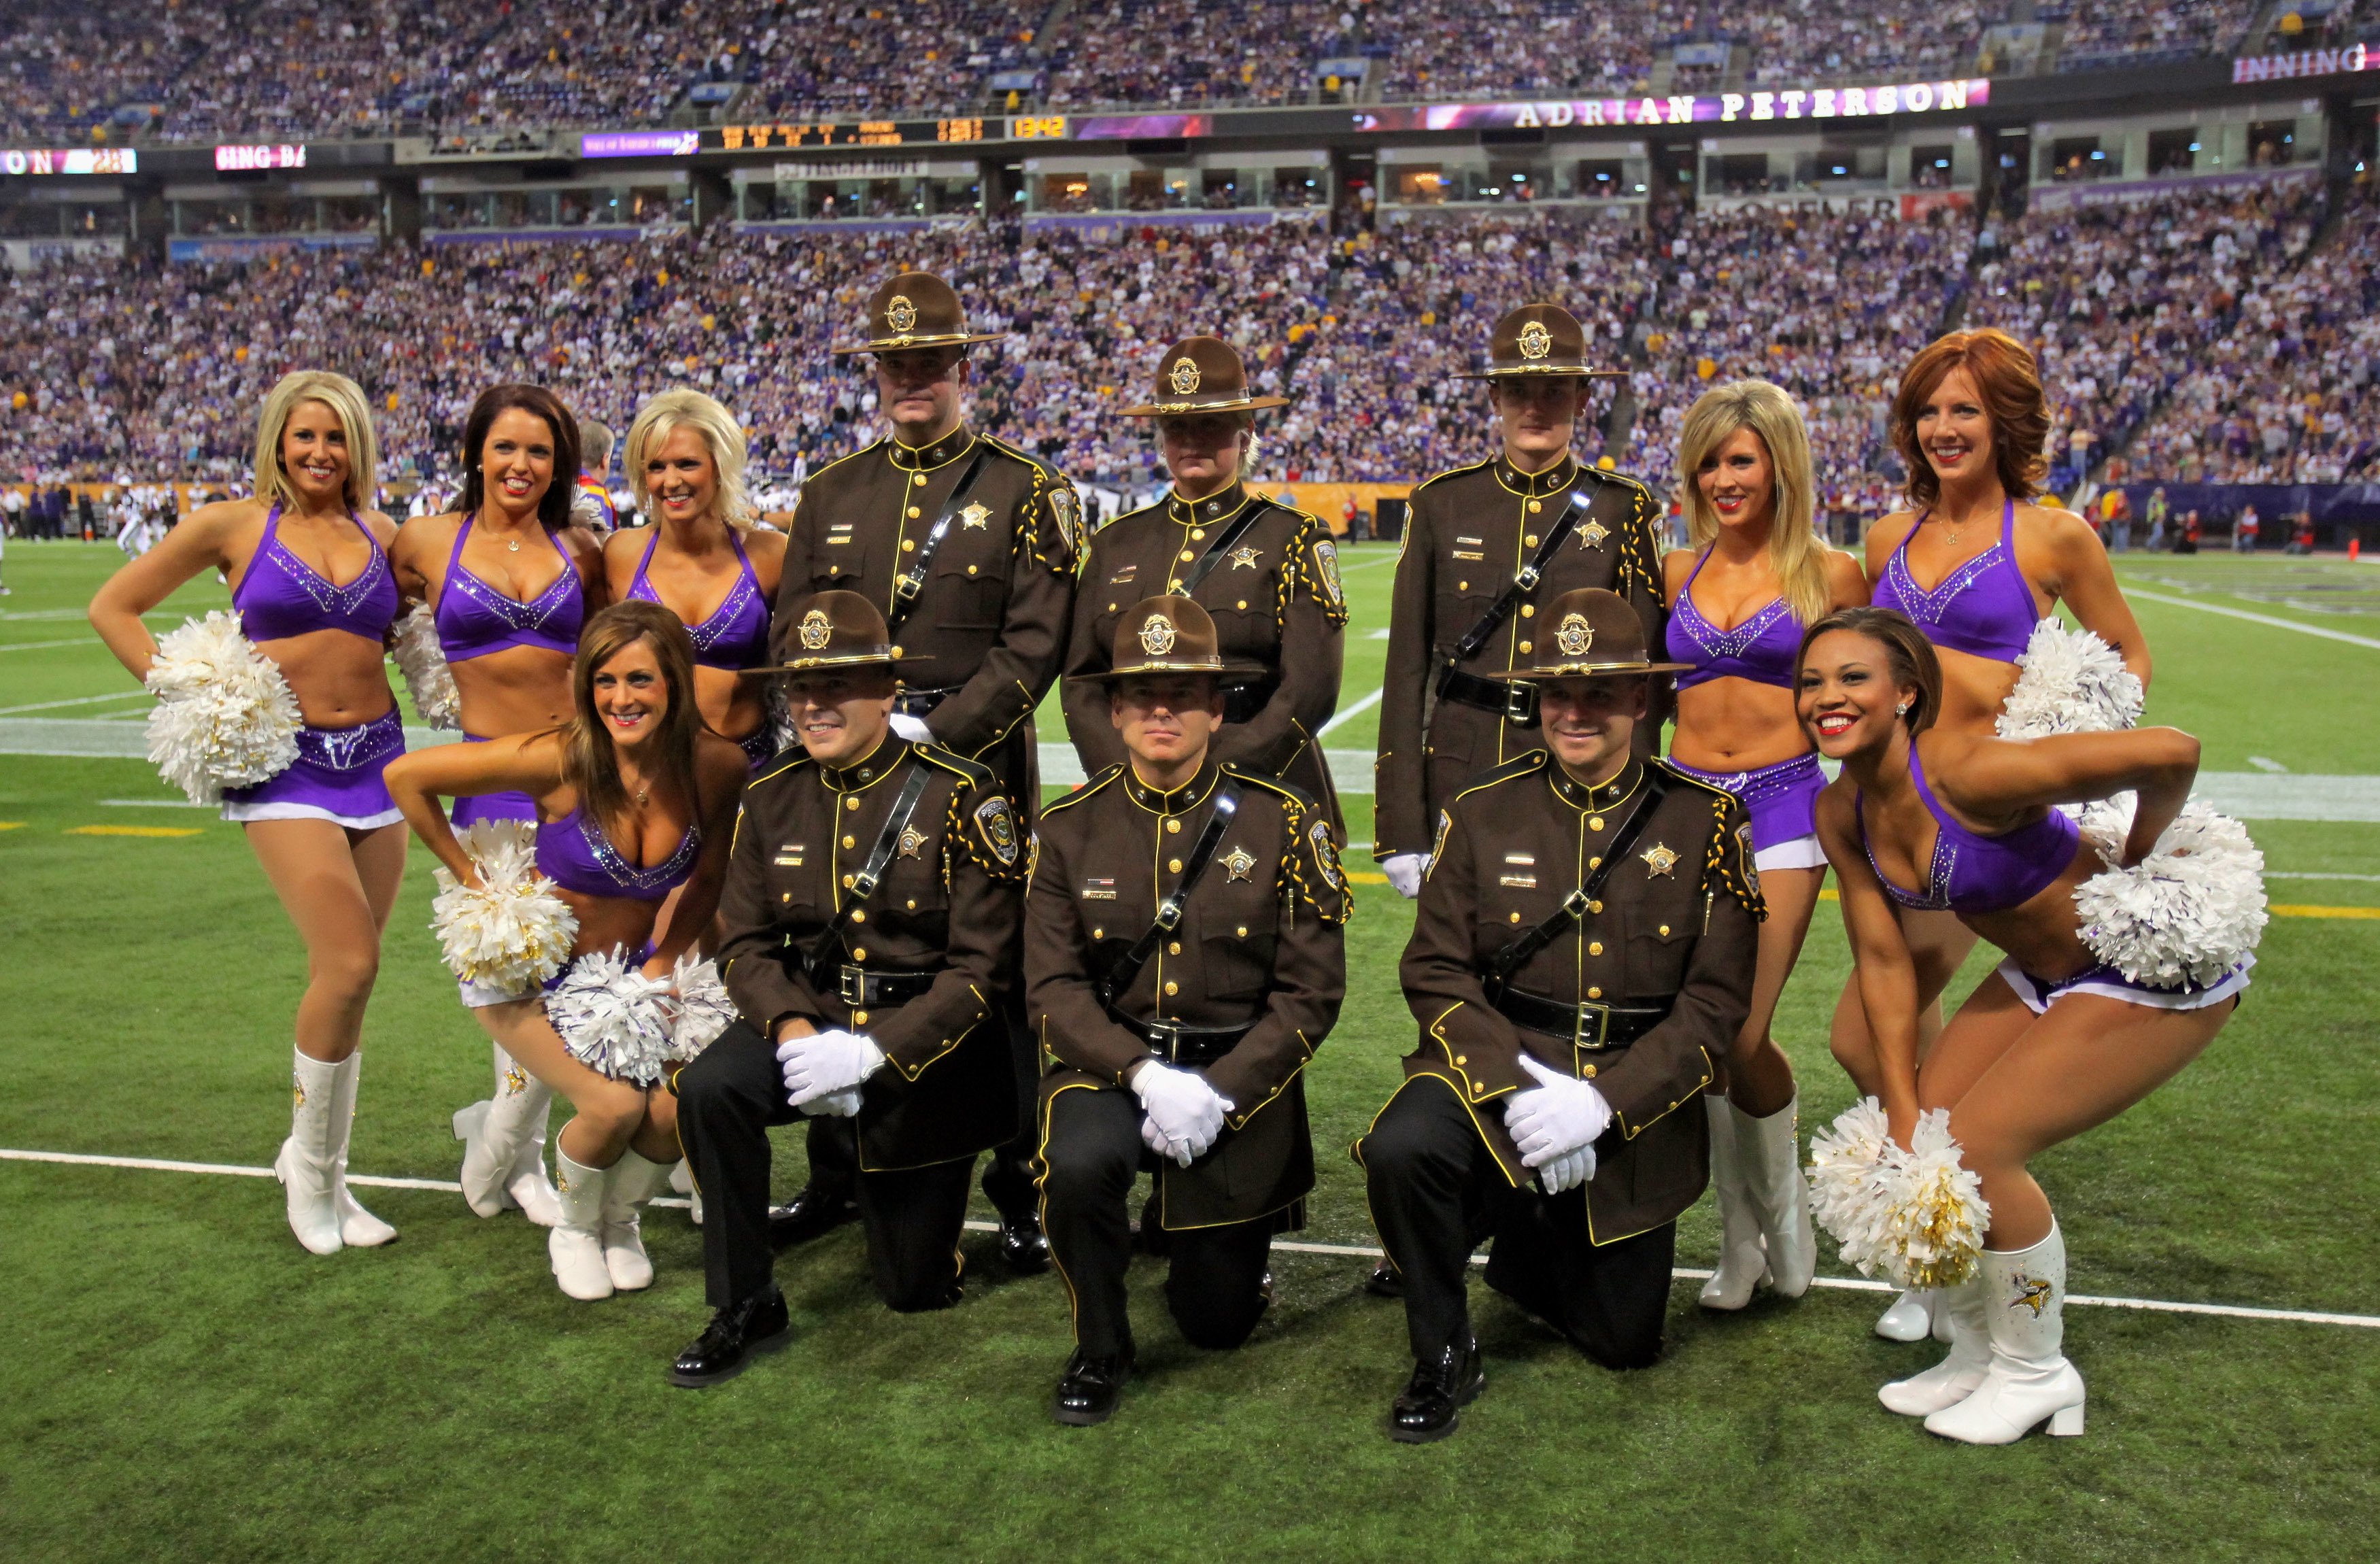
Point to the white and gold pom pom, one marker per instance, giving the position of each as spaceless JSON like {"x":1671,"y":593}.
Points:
{"x":225,"y":716}
{"x":2185,"y":915}
{"x":1914,"y":1213}
{"x":422,"y":660}
{"x":2073,"y":682}
{"x":703,"y":1010}
{"x":612,"y":1018}
{"x":512,"y":930}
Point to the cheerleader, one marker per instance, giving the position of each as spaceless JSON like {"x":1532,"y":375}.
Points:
{"x":310,"y":572}
{"x":1758,"y":572}
{"x":700,"y":556}
{"x":506,"y":581}
{"x":1969,"y":423}
{"x":634,"y":797}
{"x":1936,"y":817}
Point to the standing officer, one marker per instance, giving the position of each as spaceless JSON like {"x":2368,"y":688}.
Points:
{"x":1486,"y":549}
{"x":1184,"y":954}
{"x":870,"y":938}
{"x":967,"y":547}
{"x":1582,"y":950}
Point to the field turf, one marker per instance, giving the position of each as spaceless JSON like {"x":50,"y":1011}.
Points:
{"x":179,"y":1380}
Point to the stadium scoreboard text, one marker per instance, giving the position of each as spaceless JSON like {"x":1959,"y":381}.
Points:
{"x":884,"y":133}
{"x":69,"y":160}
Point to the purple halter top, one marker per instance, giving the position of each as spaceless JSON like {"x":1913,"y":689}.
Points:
{"x":576,"y":853}
{"x":282,"y":596}
{"x":1974,"y":873}
{"x":1762,"y":649}
{"x":1984,"y":608}
{"x":736,"y":634}
{"x":474,"y":619}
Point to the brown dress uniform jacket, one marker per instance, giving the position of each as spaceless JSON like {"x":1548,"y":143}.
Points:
{"x":1262,"y":939}
{"x":1277,"y":601}
{"x":1678,"y":926}
{"x":948,"y":905}
{"x":993,"y":613}
{"x":1470,"y":532}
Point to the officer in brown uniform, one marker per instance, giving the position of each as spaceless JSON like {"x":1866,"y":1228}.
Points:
{"x":1583,"y":951}
{"x":1185,"y":955}
{"x":1486,"y":549}
{"x":1269,"y":575}
{"x":968,"y":547}
{"x":869,"y":937}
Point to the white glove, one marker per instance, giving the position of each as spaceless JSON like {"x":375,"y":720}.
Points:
{"x":913,"y":729}
{"x":1182,"y":1108}
{"x":1568,"y":1171}
{"x":1557,"y":1117}
{"x":842,"y":1105}
{"x":826,"y":1064}
{"x":1154,"y":1138}
{"x":1404,"y":871}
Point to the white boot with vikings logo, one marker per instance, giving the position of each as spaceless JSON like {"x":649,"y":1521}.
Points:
{"x":307,"y":1166}
{"x":503,"y":1146}
{"x":2029,"y":1379}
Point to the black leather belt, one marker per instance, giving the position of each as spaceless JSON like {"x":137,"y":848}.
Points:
{"x":1513,"y":701}
{"x":1587,"y":1025}
{"x":863,"y":990}
{"x":917,"y":703}
{"x":1179,"y":1044}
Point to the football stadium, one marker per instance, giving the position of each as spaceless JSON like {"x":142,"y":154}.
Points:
{"x":1172,"y":756}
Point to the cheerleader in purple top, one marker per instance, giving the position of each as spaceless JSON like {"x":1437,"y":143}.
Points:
{"x":1758,"y":572}
{"x":1974,"y":565}
{"x":700,"y":556}
{"x":310,"y":573}
{"x":510,"y":578}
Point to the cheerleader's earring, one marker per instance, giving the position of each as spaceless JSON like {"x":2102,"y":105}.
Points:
{"x":1901,"y":709}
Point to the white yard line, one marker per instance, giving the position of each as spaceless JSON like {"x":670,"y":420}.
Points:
{"x":46,"y":646}
{"x":1358,"y":709}
{"x":1353,"y":1251}
{"x":2252,"y":618}
{"x":79,"y":700}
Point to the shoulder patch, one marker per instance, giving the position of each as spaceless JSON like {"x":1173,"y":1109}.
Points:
{"x":1437,"y":841}
{"x":1066,"y":510}
{"x":1326,"y":855}
{"x":998,"y":823}
{"x":1326,"y":567}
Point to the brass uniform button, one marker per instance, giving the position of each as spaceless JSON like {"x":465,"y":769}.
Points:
{"x":1197,"y":533}
{"x":1516,"y":918}
{"x":1173,"y":866}
{"x":859,"y":952}
{"x":860,"y":916}
{"x":848,"y":882}
{"x":850,"y":841}
{"x":1173,"y":825}
{"x":1665,"y":928}
{"x":1529,"y":611}
{"x":1187,"y":554}
{"x":851,"y":803}
{"x":1595,"y":862}
{"x":971,"y":570}
{"x":859,"y":1018}
{"x":913,"y":904}
{"x":1536,"y":506}
{"x":1530,"y":542}
{"x":1594,"y":822}
{"x":1594,"y":993}
{"x":1462,"y":585}
{"x":1172,"y":989}
{"x":1174,"y":948}
{"x":1242,"y":931}
{"x":1587,"y":1073}
{"x":1460,"y":1059}
{"x":1594,"y":947}
{"x":1595,"y":906}
{"x":914,"y":512}
{"x":1099,"y":933}
{"x":1244,"y":603}
{"x":1525,"y":646}
{"x":908,"y":545}
{"x":919,"y":479}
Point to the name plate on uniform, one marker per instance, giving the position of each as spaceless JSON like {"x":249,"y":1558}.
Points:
{"x":1098,"y":891}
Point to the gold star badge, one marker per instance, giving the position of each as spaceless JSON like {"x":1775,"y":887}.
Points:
{"x":1238,"y":862}
{"x":1592,"y":535}
{"x":975,"y":515}
{"x":911,"y":840}
{"x":1659,"y":859}
{"x":1244,"y":557}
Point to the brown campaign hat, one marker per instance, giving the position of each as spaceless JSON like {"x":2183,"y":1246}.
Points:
{"x":1537,"y":339}
{"x":915,"y":309}
{"x":1202,"y":374}
{"x":837,"y":629}
{"x":1590,"y":633}
{"x":1168,"y":635}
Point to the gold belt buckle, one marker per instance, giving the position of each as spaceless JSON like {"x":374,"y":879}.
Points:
{"x":1580,"y":1041}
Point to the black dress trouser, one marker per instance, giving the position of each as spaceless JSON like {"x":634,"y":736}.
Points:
{"x":1437,"y":1190}
{"x":726,"y":1100}
{"x":1091,"y":1155}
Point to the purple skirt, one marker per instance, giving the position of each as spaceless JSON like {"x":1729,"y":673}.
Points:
{"x":336,"y":777}
{"x":1782,"y":800}
{"x":2040,"y":993}
{"x":493,"y":806}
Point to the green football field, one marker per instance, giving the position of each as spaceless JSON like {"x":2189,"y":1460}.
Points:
{"x":180,"y":1380}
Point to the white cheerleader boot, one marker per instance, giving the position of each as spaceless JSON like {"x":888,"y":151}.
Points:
{"x":1742,"y":1264}
{"x":528,"y":1188}
{"x":630,"y":1179}
{"x":1770,"y":1151}
{"x":307,"y":1166}
{"x":1956,"y":1376}
{"x":575,"y":1244}
{"x":1914,"y":1316}
{"x":495,"y":1135}
{"x":359,"y":1228}
{"x":2029,"y":1379}
{"x":682,"y":1180}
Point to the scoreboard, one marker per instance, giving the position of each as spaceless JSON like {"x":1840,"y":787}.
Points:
{"x":786,"y":135}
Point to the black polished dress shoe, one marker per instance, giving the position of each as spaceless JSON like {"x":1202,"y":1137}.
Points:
{"x":1430,"y":1406}
{"x":1089,"y":1389}
{"x":1023,"y":1245}
{"x":1384,"y":1281}
{"x":813,"y":1212}
{"x":734,"y":1336}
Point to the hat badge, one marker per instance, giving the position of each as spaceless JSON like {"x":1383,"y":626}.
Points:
{"x":1184,"y":377}
{"x":1536,"y":341}
{"x":1576,"y":637}
{"x":899,"y":313}
{"x":1158,"y":636}
{"x":815,"y":630}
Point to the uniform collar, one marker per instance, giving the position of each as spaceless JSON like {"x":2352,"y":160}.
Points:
{"x":869,"y":769}
{"x":1182,"y":799}
{"x":925,"y":459}
{"x":1537,"y":485}
{"x":1215,"y":507}
{"x":1610,"y":795}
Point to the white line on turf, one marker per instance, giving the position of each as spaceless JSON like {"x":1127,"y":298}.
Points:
{"x":1353,"y":1251}
{"x":79,"y":700}
{"x":2254,"y":618}
{"x":154,"y":803}
{"x":45,"y":646}
{"x":1358,"y":709}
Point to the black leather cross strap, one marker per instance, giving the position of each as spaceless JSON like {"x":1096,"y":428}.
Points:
{"x":1178,"y":1044}
{"x":1581,"y":902}
{"x":1205,"y":565}
{"x":1588,"y":1025}
{"x":917,"y":703}
{"x":816,"y":961}
{"x":1119,"y":980}
{"x":912,"y":581}
{"x":1516,"y":703}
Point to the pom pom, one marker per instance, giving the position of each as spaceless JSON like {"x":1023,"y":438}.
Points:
{"x":1914,"y":1213}
{"x":703,"y":1010}
{"x":2073,"y":682}
{"x":612,"y":1018}
{"x":511,"y":930}
{"x":2187,"y":914}
{"x":423,"y":662}
{"x":225,"y":716}
{"x":781,"y":717}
